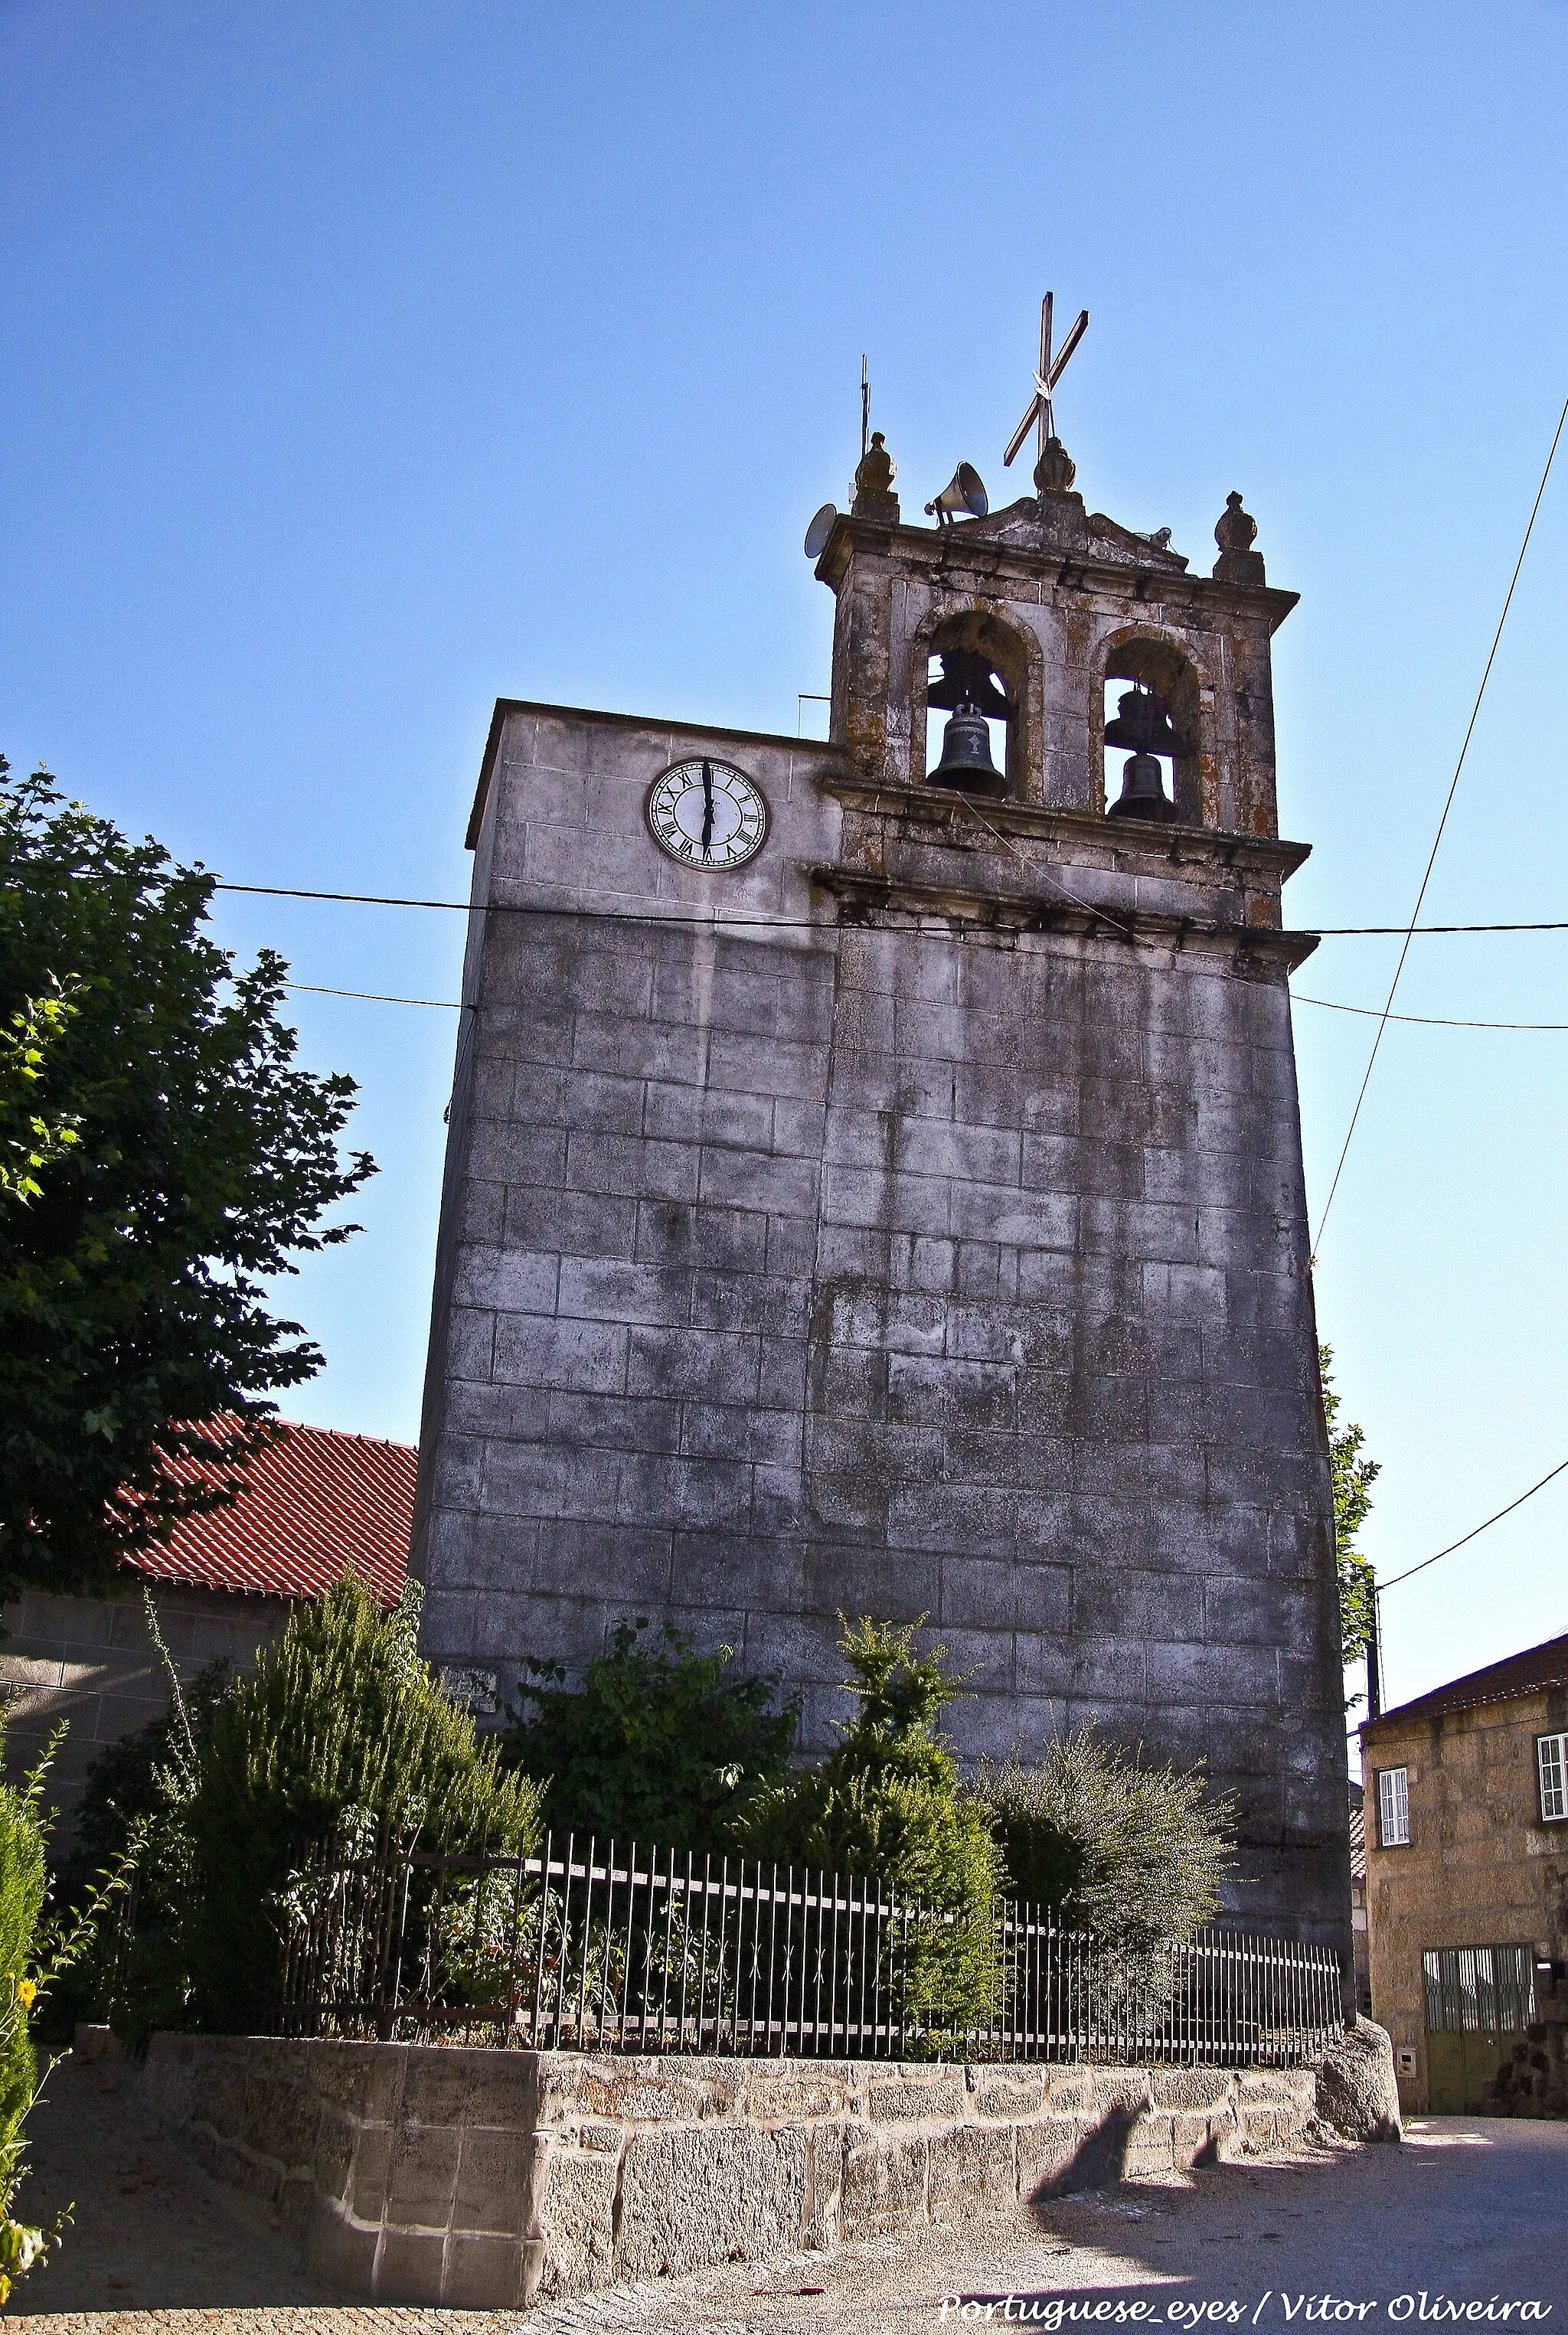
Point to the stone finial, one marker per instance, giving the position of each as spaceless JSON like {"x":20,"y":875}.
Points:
{"x":1236,"y":532}
{"x":873,"y":497}
{"x":1055,"y":470}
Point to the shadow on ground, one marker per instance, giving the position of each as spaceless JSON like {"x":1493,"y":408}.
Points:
{"x":152,"y":2232}
{"x":1467,"y":2206}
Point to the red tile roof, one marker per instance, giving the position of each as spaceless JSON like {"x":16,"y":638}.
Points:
{"x":312,"y":1502}
{"x":1517,"y":1674}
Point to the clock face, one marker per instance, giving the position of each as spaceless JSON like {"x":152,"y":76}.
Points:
{"x":708,"y":814}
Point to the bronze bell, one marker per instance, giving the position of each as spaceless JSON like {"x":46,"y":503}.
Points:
{"x":1143,"y":723}
{"x":1143,"y":794}
{"x":966,"y":755}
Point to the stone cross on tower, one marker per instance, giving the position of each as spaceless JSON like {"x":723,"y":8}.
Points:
{"x":1040,"y":415}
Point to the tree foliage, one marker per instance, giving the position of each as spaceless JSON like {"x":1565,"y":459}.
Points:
{"x":887,"y":1803}
{"x":28,"y":1140}
{"x":162,"y":1157}
{"x":1353,"y":1479}
{"x":1136,"y":1853}
{"x":657,"y":1744}
{"x":340,"y":1717}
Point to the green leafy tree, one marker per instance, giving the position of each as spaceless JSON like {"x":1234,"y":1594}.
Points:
{"x":1353,"y":1479}
{"x":657,"y":1744}
{"x":340,"y":1720}
{"x":29,"y":1141}
{"x":887,"y":1803}
{"x":162,"y":1157}
{"x":1135,"y":1853}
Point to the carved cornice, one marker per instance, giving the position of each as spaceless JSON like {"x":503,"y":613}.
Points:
{"x":1148,"y":848}
{"x":1260,"y":952}
{"x":963,"y":559}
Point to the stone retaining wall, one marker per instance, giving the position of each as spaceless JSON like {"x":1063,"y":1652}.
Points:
{"x":481,"y":2179}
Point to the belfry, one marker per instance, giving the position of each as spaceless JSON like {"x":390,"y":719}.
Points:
{"x":874,"y":1176}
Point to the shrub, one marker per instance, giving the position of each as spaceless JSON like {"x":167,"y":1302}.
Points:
{"x":339,"y":1718}
{"x":125,"y":1786}
{"x":887,"y":1803}
{"x":36,"y":1949}
{"x":656,"y":1745}
{"x":23,"y":1886}
{"x":1135,"y":1853}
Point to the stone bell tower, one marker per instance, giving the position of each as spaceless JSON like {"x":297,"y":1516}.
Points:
{"x":874,"y":1178}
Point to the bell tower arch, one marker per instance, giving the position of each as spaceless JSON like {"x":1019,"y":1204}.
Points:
{"x":978,"y":657}
{"x":1064,"y":600}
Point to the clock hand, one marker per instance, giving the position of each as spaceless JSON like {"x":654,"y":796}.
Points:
{"x":706,"y":806}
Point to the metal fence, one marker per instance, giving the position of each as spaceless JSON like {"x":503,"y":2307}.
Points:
{"x":583,"y":1947}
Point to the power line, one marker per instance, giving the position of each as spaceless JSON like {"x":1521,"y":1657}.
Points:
{"x":1420,"y":1021}
{"x":1421,"y":931}
{"x":374,"y":996}
{"x":357,"y":899}
{"x":798,"y":924}
{"x":1332,"y":1005}
{"x":1477,"y":1529}
{"x":1442,"y":823}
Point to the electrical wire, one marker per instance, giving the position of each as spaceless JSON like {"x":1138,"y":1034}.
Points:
{"x":1332,"y":1005}
{"x":1436,"y":839}
{"x":1420,"y":1021}
{"x":372,"y":996}
{"x":1475,"y":1530}
{"x":800,"y":924}
{"x":1421,"y":931}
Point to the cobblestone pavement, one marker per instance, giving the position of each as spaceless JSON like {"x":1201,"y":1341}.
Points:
{"x":1467,"y":2210}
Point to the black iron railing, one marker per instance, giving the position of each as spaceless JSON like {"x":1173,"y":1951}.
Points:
{"x":631,"y":1949}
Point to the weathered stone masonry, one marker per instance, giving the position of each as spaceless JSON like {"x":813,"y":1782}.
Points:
{"x":482,"y":2179}
{"x":928,"y":1234}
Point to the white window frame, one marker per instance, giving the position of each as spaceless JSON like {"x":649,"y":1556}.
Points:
{"x":1551,"y":1777}
{"x":1393,"y":1807}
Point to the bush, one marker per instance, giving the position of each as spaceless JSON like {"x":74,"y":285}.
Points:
{"x":36,"y":1949}
{"x":24,"y":1885}
{"x":125,"y":1786}
{"x":135,"y":1802}
{"x":887,"y":1803}
{"x":1134,"y":1853}
{"x":656,"y":1745}
{"x":341,"y":1719}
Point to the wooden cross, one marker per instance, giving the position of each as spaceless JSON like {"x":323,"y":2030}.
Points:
{"x":1040,"y":416}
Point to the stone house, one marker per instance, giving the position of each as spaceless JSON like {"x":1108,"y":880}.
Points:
{"x":1467,"y":1873}
{"x":874,"y":1181}
{"x":222,"y":1585}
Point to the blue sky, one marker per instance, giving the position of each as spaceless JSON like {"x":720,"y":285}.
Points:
{"x":364,"y":362}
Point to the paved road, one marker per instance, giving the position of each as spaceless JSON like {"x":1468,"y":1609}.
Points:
{"x":1467,"y":2211}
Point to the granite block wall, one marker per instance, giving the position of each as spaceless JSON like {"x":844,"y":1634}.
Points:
{"x":476,"y":2179}
{"x":880,"y":1234}
{"x":90,"y":1662}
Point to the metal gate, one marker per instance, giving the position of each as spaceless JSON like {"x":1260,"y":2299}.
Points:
{"x":1479,"y":2001}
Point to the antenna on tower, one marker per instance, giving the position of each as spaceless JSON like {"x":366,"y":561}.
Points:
{"x":864,"y":406}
